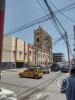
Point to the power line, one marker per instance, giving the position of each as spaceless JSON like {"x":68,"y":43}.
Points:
{"x":69,"y":7}
{"x":67,"y":42}
{"x":60,"y":38}
{"x":62,"y":13}
{"x":37,"y":21}
{"x":41,"y":6}
{"x":57,"y":22}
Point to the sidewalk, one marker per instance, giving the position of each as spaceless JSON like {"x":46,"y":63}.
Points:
{"x":14,"y":70}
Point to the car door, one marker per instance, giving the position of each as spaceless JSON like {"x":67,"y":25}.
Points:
{"x":25,"y":73}
{"x":31,"y":72}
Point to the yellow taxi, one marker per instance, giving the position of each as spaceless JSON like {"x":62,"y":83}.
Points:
{"x":32,"y":72}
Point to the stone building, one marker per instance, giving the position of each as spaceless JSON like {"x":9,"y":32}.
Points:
{"x":17,"y":53}
{"x":43,"y":41}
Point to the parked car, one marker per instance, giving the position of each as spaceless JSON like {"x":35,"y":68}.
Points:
{"x":65,"y":68}
{"x":6,"y":94}
{"x":45,"y":69}
{"x":55,"y":67}
{"x":32,"y":72}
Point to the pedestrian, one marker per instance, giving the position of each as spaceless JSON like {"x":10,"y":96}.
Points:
{"x":68,"y":85}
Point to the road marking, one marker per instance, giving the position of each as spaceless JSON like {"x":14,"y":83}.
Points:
{"x":38,"y":96}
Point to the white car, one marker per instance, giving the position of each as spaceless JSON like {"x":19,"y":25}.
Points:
{"x":6,"y":94}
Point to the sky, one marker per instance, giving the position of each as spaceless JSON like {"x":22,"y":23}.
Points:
{"x":21,"y":12}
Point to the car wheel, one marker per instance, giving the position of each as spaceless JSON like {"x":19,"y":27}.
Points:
{"x":61,"y":71}
{"x":21,"y":76}
{"x":36,"y":77}
{"x":44,"y":72}
{"x":48,"y":72}
{"x":51,"y":69}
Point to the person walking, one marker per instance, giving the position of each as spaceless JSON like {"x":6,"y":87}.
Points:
{"x":68,"y":85}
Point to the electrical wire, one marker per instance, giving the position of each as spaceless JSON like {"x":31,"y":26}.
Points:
{"x":44,"y":10}
{"x":44,"y":18}
{"x":54,"y":43}
{"x":54,"y":22}
{"x":63,"y":28}
{"x":42,"y":7}
{"x":57,"y":22}
{"x":68,"y":7}
{"x":28,"y":24}
{"x":62,"y":13}
{"x":56,"y":25}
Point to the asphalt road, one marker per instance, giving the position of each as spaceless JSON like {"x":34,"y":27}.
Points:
{"x":33,"y":89}
{"x":51,"y":92}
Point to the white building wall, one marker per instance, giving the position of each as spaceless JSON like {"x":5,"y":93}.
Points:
{"x":31,"y":56}
{"x":26,"y":52}
{"x":9,"y":48}
{"x":39,"y":57}
{"x":13,"y":49}
{"x":42,"y":57}
{"x":6,"y":55}
{"x":20,"y":50}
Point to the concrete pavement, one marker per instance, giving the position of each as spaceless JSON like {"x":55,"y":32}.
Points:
{"x":51,"y":92}
{"x":11,"y":80}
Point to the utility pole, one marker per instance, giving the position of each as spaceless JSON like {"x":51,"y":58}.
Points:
{"x":68,"y":50}
{"x":2,"y":14}
{"x":57,"y":23}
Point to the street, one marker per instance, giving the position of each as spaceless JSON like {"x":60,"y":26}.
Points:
{"x":38,"y":35}
{"x":33,"y":89}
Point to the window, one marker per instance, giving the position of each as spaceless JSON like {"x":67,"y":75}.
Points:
{"x":29,"y":52}
{"x":20,"y":53}
{"x":37,"y":39}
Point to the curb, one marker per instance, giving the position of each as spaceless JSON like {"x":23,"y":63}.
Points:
{"x":13,"y":70}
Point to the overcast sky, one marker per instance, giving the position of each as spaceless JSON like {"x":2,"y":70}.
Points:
{"x":20,"y":12}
